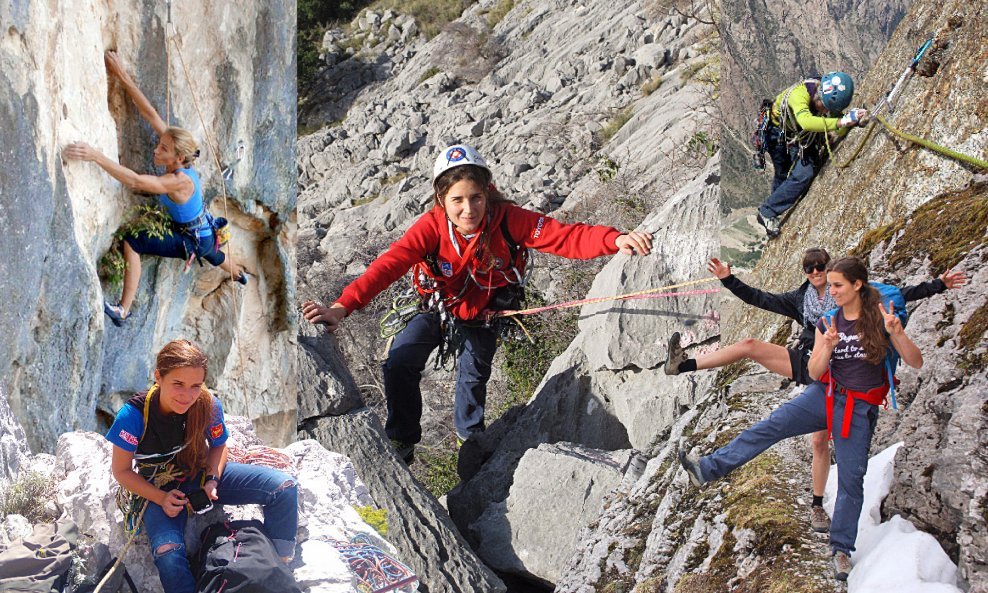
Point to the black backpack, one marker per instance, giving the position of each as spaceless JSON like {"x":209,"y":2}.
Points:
{"x":238,"y":557}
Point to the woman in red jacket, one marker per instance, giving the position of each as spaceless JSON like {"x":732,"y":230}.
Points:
{"x":460,"y":255}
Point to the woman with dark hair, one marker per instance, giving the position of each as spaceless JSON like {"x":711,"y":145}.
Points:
{"x":464,"y":253}
{"x":850,"y":381}
{"x":176,"y":435}
{"x":805,"y":304}
{"x":179,"y":192}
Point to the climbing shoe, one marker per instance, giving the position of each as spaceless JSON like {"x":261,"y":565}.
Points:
{"x":242,"y":278}
{"x":115,"y":313}
{"x":819,"y":520}
{"x":404,"y":450}
{"x":771,"y":224}
{"x":842,"y":566}
{"x":677,"y":355}
{"x":691,"y":463}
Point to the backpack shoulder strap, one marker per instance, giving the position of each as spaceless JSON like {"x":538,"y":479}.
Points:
{"x":513,"y":246}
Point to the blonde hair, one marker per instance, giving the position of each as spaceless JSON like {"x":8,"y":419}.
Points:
{"x":186,"y":147}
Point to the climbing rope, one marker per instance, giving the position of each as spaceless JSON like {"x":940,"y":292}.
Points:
{"x":947,"y":152}
{"x":127,"y":502}
{"x":213,"y":148}
{"x":641,"y":294}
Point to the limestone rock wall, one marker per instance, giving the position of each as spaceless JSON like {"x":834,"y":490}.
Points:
{"x":62,"y":360}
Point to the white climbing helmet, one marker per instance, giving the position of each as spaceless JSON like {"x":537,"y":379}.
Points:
{"x":454,"y":156}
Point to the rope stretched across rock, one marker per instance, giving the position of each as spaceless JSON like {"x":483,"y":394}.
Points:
{"x":641,"y":294}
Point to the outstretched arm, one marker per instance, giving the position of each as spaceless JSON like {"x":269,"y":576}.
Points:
{"x":789,"y":303}
{"x":171,"y":184}
{"x":147,"y":111}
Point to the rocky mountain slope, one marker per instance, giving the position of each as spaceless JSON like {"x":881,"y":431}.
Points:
{"x":64,"y":366}
{"x":770,"y":45}
{"x":82,"y":490}
{"x":592,"y":112}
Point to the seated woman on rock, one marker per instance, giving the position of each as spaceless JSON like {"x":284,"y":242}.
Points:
{"x":850,"y":381}
{"x":465,"y":253}
{"x":176,"y":433}
{"x":805,"y":304}
{"x":179,"y":192}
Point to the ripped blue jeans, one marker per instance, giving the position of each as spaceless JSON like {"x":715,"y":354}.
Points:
{"x":239,"y":484}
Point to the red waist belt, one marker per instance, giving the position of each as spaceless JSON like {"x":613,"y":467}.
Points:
{"x":875,"y":397}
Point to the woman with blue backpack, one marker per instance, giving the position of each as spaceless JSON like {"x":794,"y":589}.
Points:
{"x":805,"y":304}
{"x":850,"y":380}
{"x":169,"y":451}
{"x":179,"y":192}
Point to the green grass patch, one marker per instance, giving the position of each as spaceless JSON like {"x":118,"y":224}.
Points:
{"x":393,"y":179}
{"x":430,"y":15}
{"x":702,"y":145}
{"x":739,"y":258}
{"x":500,"y":10}
{"x":439,"y":475}
{"x":27,"y":495}
{"x":946,"y":229}
{"x":432,"y":71}
{"x":760,"y":502}
{"x":145,"y":218}
{"x":376,"y":518}
{"x":974,"y":328}
{"x":366,"y":200}
{"x":616,"y":123}
{"x":652,"y":85}
{"x":525,"y":363}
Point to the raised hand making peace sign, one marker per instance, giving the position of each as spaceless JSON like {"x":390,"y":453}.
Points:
{"x":893,"y":325}
{"x":830,"y":337}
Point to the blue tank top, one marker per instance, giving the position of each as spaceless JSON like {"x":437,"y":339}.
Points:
{"x":192,"y":208}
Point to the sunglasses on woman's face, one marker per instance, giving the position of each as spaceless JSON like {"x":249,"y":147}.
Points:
{"x":814,"y":268}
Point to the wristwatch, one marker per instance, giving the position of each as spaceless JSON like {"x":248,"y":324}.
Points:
{"x":211,"y":477}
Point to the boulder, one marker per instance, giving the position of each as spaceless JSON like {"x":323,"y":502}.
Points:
{"x":330,"y":491}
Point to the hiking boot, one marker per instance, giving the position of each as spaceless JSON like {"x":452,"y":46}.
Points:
{"x":842,"y":566}
{"x":116,"y":313}
{"x":819,"y":520}
{"x":691,"y":463}
{"x":771,"y":225}
{"x":404,"y":450}
{"x":676,"y":356}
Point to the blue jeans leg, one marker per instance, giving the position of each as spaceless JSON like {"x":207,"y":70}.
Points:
{"x":782,"y":157}
{"x":167,"y":535}
{"x":474,"y":369}
{"x":275,"y":490}
{"x":402,"y":374}
{"x":803,"y":414}
{"x":787,"y":192}
{"x":852,"y":463}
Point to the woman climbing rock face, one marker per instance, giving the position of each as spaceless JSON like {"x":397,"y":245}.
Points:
{"x":463,"y":253}
{"x":176,"y":434}
{"x":179,"y":192}
{"x":850,"y":381}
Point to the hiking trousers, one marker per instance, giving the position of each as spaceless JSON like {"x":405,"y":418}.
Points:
{"x":806,"y":413}
{"x":793,"y":174}
{"x":403,"y":373}
{"x":239,"y":484}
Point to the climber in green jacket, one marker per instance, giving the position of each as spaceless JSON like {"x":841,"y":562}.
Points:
{"x":802,"y":118}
